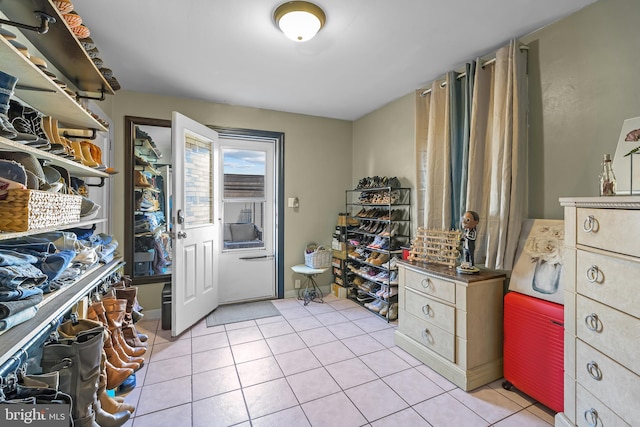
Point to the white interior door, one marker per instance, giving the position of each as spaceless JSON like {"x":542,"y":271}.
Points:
{"x":195,"y":251}
{"x":247,"y":210}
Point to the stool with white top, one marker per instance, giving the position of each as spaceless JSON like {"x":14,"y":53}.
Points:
{"x":310,"y":291}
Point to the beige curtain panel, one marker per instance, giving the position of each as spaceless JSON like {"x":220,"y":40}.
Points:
{"x":497,"y":166}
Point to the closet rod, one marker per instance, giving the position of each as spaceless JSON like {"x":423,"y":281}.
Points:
{"x":464,"y":74}
{"x":15,"y":361}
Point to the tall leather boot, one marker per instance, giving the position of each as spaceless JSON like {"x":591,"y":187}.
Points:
{"x":110,"y":376}
{"x":131,"y":335}
{"x":78,"y":361}
{"x":106,"y":402}
{"x":7,"y":85}
{"x":115,"y":309}
{"x":69,"y":330}
{"x":117,"y":368}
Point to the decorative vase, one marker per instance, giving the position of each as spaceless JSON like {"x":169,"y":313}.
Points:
{"x":546,"y":277}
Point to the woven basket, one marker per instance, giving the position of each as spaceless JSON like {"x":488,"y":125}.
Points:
{"x":320,"y":258}
{"x":25,"y":210}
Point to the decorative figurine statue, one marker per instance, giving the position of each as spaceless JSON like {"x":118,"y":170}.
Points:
{"x":469,"y":221}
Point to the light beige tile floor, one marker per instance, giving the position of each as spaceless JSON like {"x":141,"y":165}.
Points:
{"x":332,"y":364}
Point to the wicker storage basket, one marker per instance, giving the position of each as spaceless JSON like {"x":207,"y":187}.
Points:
{"x":320,"y":258}
{"x":25,"y":210}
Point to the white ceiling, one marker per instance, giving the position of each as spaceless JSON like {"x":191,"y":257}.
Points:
{"x":369,"y":53}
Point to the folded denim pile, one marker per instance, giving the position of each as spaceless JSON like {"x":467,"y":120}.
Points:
{"x":32,"y":266}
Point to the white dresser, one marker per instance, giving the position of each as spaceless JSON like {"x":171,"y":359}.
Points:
{"x":452,"y":322}
{"x":602,"y":312}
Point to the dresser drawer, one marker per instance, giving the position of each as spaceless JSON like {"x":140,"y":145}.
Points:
{"x":429,"y":335}
{"x":591,"y":412}
{"x":612,"y":281}
{"x":613,"y":230}
{"x":609,"y":331}
{"x":615,"y":386}
{"x":432,"y":311}
{"x":433,"y":286}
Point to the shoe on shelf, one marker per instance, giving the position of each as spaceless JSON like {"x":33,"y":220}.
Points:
{"x":393,"y":311}
{"x":384,"y":310}
{"x":393,"y":278}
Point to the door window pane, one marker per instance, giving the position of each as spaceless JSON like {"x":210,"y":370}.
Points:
{"x":244,"y":199}
{"x":198,"y":181}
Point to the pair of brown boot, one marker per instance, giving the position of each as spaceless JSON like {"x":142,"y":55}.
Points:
{"x":122,"y":360}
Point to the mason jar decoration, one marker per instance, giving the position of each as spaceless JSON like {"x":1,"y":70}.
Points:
{"x":545,"y":248}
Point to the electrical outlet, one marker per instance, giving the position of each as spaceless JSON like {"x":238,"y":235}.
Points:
{"x":297,"y":284}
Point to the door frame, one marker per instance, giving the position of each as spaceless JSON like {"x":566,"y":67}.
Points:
{"x":278,"y":193}
{"x":129,"y":202}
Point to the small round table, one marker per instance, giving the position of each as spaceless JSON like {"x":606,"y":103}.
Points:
{"x":310,"y":291}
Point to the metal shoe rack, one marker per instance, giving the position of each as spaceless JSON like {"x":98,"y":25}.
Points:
{"x":384,"y":216}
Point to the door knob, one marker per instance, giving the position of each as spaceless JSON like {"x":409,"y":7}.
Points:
{"x":182,"y":235}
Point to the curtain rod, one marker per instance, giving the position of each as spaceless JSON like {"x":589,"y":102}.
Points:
{"x":464,"y":74}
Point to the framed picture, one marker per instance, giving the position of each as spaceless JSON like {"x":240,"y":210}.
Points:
{"x":622,"y":164}
{"x":539,"y":262}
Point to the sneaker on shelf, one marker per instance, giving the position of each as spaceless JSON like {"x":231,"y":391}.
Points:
{"x":377,"y":305}
{"x":393,"y":277}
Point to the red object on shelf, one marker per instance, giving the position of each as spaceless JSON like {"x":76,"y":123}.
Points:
{"x":405,"y":253}
{"x":534,"y":348}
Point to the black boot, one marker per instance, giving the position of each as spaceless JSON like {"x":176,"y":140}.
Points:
{"x":7,"y":85}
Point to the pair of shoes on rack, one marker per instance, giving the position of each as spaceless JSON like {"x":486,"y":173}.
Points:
{"x":122,"y":359}
{"x":376,"y":306}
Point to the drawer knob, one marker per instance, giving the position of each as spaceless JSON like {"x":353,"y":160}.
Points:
{"x":426,"y":335}
{"x":594,"y":371}
{"x":426,"y":310}
{"x":590,"y":224}
{"x":591,"y":416}
{"x":592,"y":273}
{"x":426,"y":283}
{"x":592,"y":322}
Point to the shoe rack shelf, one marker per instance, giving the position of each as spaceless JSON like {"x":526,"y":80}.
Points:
{"x":5,"y":235}
{"x":62,"y":47}
{"x":146,"y":150}
{"x":63,"y":51}
{"x":53,"y":306}
{"x":384,"y":215}
{"x":43,"y":94}
{"x":74,"y":168}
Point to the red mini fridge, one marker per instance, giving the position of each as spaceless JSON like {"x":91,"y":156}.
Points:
{"x":534,"y":348}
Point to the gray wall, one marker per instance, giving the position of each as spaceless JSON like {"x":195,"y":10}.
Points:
{"x":583,"y":83}
{"x":317,"y":167}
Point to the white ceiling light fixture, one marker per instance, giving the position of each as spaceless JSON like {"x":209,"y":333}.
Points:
{"x":299,"y":20}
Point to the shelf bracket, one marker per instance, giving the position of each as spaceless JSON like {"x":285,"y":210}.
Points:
{"x":94,"y":98}
{"x":45,"y":20}
{"x":96,"y":185}
{"x":92,"y":137}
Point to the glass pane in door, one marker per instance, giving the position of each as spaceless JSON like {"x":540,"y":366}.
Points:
{"x":244,"y":199}
{"x":198,"y":181}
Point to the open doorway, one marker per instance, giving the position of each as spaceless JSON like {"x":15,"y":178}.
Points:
{"x":251,"y":190}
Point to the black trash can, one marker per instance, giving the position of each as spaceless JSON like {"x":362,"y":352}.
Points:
{"x":166,"y":306}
